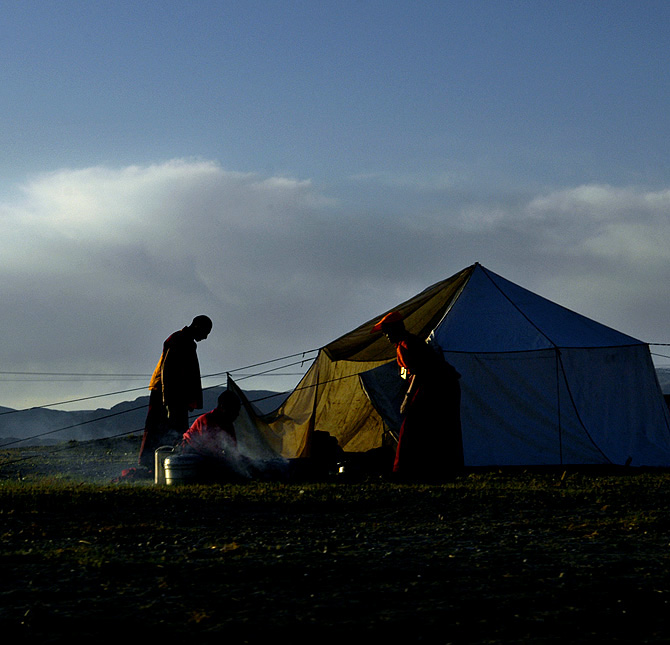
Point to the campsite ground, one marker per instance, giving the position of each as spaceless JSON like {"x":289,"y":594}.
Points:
{"x":493,"y":557}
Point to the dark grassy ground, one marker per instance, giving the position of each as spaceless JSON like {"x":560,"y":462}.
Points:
{"x":493,"y":557}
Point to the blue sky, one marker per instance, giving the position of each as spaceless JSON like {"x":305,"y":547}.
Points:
{"x":295,"y":168}
{"x":555,"y":91}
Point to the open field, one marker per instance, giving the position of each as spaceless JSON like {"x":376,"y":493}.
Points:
{"x":493,"y":557}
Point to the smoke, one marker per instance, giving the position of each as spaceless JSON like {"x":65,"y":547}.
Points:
{"x":246,"y":456}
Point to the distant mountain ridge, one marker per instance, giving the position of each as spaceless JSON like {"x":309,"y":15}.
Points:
{"x":42,"y":426}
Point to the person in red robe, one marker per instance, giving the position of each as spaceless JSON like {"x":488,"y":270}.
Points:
{"x":175,"y":390}
{"x":213,"y":434}
{"x":212,"y":438}
{"x":430,"y":444}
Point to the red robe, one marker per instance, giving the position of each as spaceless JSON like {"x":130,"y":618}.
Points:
{"x":209,"y":436}
{"x":177,"y":374}
{"x":212,"y":438}
{"x":175,"y":386}
{"x":430,"y":443}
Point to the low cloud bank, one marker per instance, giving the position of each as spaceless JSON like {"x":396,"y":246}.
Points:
{"x":100,"y":264}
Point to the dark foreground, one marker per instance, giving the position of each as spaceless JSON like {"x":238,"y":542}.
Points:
{"x":497,"y":557}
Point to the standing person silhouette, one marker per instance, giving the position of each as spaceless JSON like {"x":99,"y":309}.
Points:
{"x":430,"y":444}
{"x":175,"y":389}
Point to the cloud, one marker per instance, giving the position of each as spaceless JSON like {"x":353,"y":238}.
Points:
{"x":100,"y":264}
{"x":608,"y":246}
{"x":611,"y":226}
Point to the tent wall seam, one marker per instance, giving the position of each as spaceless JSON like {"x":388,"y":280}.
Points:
{"x":576,"y":410}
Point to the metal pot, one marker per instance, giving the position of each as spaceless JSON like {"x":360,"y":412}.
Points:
{"x":160,"y":455}
{"x":181,"y":469}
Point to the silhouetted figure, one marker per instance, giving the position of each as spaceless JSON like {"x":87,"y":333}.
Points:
{"x":212,"y":437}
{"x":175,"y":389}
{"x":213,"y":433}
{"x":430,"y":444}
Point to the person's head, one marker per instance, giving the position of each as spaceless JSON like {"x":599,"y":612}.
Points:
{"x":394,"y":331}
{"x":200,"y":327}
{"x":228,"y":405}
{"x":392,"y":326}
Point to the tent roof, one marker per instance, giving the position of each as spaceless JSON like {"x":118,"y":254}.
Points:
{"x":421,"y":314}
{"x":476,"y":310}
{"x":492,"y":314}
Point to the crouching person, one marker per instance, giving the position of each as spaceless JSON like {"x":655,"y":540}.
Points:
{"x":212,"y":439}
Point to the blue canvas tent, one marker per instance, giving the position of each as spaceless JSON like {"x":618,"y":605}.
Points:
{"x":541,"y":385}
